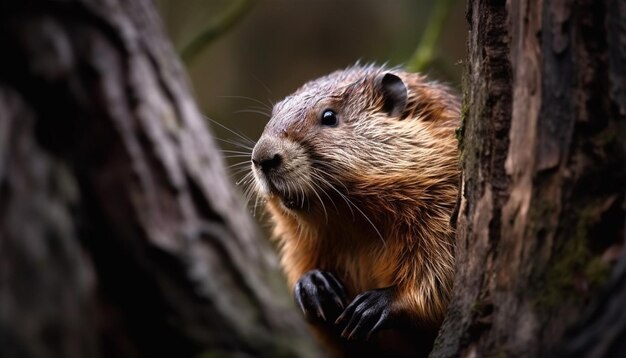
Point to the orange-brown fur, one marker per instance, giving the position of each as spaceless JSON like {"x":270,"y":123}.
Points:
{"x":399,"y":177}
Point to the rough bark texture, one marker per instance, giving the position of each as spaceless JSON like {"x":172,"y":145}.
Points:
{"x":542,"y":216}
{"x":120,"y":234}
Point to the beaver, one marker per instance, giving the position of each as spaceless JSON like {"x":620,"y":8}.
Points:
{"x":359,"y":171}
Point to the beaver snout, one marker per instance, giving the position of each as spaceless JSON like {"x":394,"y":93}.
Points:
{"x":268,"y":164}
{"x":266,"y":156}
{"x":281,"y":170}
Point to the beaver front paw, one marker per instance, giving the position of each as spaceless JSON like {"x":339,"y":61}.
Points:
{"x":369,"y":312}
{"x":320,"y":296}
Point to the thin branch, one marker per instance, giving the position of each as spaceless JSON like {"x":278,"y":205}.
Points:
{"x":424,"y":54}
{"x":220,"y":25}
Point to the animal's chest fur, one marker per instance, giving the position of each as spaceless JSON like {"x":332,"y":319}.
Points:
{"x":361,"y":263}
{"x":353,"y":251}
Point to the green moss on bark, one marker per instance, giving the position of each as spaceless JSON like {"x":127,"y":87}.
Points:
{"x":575,"y":268}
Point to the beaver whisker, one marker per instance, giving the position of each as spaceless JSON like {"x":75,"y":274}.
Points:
{"x":327,"y":183}
{"x":263,"y":104}
{"x":244,"y":178}
{"x":256,"y":204}
{"x":247,"y":181}
{"x":350,"y":203}
{"x":362,"y":213}
{"x":236,"y":144}
{"x":292,"y":191}
{"x":252,"y":110}
{"x":239,"y":168}
{"x":327,"y":164}
{"x":242,"y":136}
{"x":250,"y":191}
{"x":311,"y":186}
{"x":239,"y":171}
{"x":230,"y":151}
{"x":236,"y":156}
{"x":316,"y":175}
{"x":327,"y":173}
{"x":323,"y":191}
{"x":244,"y":163}
{"x":302,"y":192}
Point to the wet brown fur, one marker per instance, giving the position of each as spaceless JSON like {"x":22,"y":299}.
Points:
{"x":377,"y":192}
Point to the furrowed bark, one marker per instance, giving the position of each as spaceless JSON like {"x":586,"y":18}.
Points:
{"x":542,"y":216}
{"x":120,"y":232}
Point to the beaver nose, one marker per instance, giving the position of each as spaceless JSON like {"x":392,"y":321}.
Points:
{"x":265,"y":156}
{"x":269,"y":163}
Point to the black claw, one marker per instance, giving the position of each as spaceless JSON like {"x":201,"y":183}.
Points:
{"x":368,"y":313}
{"x":381,"y":322}
{"x":320,"y":296}
{"x":334,"y":286}
{"x":349,"y":311}
{"x":297,"y":293}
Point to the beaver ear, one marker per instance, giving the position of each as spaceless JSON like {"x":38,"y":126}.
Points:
{"x":394,"y":94}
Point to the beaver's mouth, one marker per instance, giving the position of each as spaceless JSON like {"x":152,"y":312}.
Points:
{"x":279,"y":184}
{"x":292,"y":203}
{"x":289,"y":199}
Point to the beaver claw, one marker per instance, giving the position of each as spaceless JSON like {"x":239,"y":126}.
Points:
{"x":369,"y":312}
{"x":320,"y":296}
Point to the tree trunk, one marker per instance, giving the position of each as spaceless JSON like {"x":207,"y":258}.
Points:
{"x":120,"y":234}
{"x":542,"y":216}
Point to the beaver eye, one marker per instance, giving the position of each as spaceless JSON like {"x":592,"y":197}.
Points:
{"x":329,"y":118}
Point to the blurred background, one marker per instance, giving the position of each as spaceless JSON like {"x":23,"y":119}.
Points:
{"x":242,"y":52}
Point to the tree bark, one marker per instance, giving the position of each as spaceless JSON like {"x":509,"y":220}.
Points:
{"x":542,"y":215}
{"x":120,"y":233}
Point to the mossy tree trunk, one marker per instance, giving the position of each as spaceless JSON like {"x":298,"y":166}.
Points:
{"x":541,"y":221}
{"x":120,"y":234}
